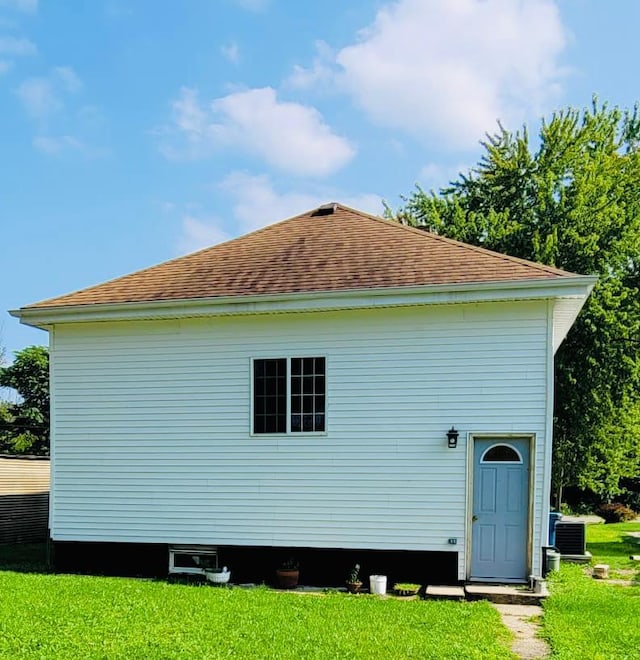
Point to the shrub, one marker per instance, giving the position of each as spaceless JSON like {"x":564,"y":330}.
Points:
{"x":631,"y":493}
{"x":615,"y":512}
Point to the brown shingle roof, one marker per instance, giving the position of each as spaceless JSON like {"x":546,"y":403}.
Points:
{"x":346,"y":249}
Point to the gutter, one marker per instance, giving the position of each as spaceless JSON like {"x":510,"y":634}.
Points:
{"x":577,"y":287}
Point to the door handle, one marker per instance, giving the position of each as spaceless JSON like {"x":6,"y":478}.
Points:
{"x":474,"y":518}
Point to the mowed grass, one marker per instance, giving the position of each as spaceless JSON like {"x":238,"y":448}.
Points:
{"x":588,"y":619}
{"x":74,"y":616}
{"x":606,"y":543}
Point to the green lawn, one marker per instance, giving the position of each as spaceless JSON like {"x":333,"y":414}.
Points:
{"x":66,"y":616}
{"x":587,"y":619}
{"x":607,"y":547}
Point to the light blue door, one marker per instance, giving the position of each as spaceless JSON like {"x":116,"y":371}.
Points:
{"x":500,"y":510}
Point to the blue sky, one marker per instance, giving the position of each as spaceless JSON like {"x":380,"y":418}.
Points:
{"x":135,"y":131}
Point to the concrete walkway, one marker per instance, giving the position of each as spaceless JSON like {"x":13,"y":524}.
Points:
{"x":588,"y":519}
{"x":524,"y":623}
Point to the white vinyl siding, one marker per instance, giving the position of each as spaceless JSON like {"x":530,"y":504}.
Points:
{"x":153,"y":437}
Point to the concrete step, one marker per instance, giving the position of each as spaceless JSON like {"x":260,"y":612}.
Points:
{"x":632,"y":537}
{"x":444,"y":592}
{"x":578,"y":559}
{"x":504,"y":594}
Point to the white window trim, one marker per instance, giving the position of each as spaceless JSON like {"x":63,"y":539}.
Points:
{"x":289,"y":433}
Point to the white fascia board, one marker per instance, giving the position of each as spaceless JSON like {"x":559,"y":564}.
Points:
{"x":577,"y":287}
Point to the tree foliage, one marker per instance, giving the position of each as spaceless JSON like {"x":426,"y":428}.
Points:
{"x":569,"y":199}
{"x":24,"y":426}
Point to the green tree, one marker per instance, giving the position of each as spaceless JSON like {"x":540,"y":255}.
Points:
{"x":24,"y":426}
{"x":571,"y":199}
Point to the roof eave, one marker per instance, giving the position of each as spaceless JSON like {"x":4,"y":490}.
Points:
{"x":577,"y":287}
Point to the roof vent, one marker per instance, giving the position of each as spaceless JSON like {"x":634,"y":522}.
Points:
{"x":325,"y":209}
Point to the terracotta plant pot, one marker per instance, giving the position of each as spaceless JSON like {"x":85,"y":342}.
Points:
{"x":354,"y":587}
{"x":287,"y":578}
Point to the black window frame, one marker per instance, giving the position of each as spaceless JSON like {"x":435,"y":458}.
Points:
{"x":289,"y":395}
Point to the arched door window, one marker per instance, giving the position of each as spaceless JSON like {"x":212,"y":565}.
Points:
{"x":501,"y":454}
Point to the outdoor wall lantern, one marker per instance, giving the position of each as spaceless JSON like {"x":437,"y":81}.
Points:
{"x":452,"y":438}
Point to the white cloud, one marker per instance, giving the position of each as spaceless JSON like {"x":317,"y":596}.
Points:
{"x":446,"y":70}
{"x":321,"y":73}
{"x":43,"y":96}
{"x":200,"y":233}
{"x":289,"y":136}
{"x":68,"y":78}
{"x":55,"y":145}
{"x":436,"y":176}
{"x":27,"y":6}
{"x":231,"y":52}
{"x":17,"y":46}
{"x":38,"y":97}
{"x":256,"y":203}
{"x":5,"y":66}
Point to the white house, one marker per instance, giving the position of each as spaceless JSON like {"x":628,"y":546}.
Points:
{"x":294,"y":388}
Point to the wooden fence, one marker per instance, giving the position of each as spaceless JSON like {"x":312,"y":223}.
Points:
{"x":24,"y":499}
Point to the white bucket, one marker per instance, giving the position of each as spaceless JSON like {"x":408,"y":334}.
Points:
{"x":378,"y":584}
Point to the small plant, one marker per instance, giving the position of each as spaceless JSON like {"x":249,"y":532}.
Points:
{"x":354,"y":574}
{"x":353,"y":580}
{"x":290,"y":564}
{"x":615,"y":512}
{"x":406,"y":588}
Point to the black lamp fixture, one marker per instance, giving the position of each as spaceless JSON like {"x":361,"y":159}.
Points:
{"x":452,"y":438}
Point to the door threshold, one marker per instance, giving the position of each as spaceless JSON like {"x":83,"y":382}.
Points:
{"x":496,"y":580}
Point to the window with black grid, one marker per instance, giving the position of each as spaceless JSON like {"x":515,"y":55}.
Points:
{"x":270,"y":396}
{"x":308,"y":396}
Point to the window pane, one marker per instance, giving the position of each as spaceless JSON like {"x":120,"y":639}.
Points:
{"x":296,"y":423}
{"x":501,"y":454}
{"x":271,"y":368}
{"x":270,"y":396}
{"x":307,"y":422}
{"x":308,"y":379}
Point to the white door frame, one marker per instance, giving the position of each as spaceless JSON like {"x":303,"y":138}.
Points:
{"x":471,"y":438}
